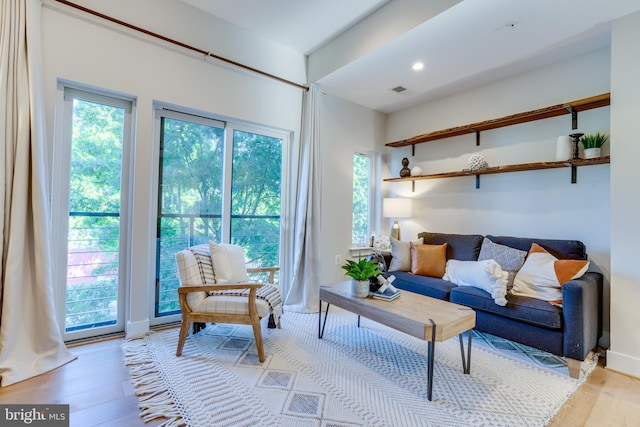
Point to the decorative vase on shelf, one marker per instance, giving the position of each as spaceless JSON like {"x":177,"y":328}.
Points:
{"x":359,"y":288}
{"x":405,"y":171}
{"x":564,"y":148}
{"x":591,"y":153}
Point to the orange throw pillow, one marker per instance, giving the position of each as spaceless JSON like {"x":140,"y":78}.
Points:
{"x":429,"y":260}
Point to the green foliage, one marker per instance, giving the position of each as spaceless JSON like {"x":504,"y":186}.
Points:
{"x":361,"y":190}
{"x":594,"y":140}
{"x":363,"y":269}
{"x":190,"y":210}
{"x":190,"y":205}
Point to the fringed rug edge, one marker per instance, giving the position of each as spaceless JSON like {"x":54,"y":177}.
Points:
{"x":154,"y":399}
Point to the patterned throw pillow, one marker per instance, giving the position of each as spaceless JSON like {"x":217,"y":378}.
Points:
{"x":543,"y":275}
{"x":428,"y":260}
{"x":509,"y":259}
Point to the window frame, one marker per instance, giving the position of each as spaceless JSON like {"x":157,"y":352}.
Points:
{"x":61,"y":174}
{"x":374,"y":194}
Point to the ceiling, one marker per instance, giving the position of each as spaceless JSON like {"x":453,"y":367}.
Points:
{"x":473,"y":42}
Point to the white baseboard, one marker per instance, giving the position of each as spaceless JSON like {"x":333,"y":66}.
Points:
{"x":138,"y":328}
{"x":623,"y":363}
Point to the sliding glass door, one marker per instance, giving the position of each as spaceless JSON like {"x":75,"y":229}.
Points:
{"x":218,"y":182}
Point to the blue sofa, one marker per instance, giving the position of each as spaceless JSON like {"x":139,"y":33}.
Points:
{"x":571,"y":331}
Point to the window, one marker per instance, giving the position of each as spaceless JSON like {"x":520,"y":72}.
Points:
{"x":216,"y":181}
{"x":362,"y":212}
{"x":90,"y":211}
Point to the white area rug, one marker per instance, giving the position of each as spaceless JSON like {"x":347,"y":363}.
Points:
{"x":367,"y":376}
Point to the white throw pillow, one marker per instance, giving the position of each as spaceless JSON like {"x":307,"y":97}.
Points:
{"x":486,"y":275}
{"x":401,"y":254}
{"x":228,"y":263}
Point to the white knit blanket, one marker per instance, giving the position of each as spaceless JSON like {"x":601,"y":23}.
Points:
{"x":367,"y":376}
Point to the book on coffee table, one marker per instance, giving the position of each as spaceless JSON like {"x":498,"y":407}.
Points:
{"x":387,"y":295}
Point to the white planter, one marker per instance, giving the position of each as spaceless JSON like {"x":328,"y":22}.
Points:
{"x":591,"y":153}
{"x":359,"y":288}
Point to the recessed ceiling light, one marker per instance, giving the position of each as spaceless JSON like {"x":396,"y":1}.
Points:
{"x":418,"y":66}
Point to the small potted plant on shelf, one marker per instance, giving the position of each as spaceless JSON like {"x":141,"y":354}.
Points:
{"x":592,"y":143}
{"x":361,"y":272}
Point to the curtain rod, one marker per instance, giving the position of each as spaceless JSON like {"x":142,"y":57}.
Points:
{"x":179,"y":43}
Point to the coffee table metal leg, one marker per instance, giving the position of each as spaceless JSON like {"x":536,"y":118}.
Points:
{"x":430,"y":359}
{"x":322,"y":324}
{"x":466,"y":368}
{"x":466,"y":364}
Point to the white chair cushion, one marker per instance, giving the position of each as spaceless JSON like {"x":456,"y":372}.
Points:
{"x":228,"y":304}
{"x":228,"y":263}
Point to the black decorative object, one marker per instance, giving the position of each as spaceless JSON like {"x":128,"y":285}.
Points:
{"x":382,"y":263}
{"x":405,"y":171}
{"x":576,"y":138}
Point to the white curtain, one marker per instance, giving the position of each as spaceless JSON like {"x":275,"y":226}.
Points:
{"x":30,"y":340}
{"x":304,"y":285}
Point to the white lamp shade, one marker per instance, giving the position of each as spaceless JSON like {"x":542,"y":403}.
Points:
{"x":396,"y":208}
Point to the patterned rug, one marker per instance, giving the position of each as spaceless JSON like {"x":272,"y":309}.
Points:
{"x":367,"y":376}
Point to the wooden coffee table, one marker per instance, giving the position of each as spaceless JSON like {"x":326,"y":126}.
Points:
{"x":429,"y":319}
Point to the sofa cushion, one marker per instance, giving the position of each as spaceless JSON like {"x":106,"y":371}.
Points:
{"x":423,"y":285}
{"x":524,"y":309}
{"x":561,"y":249}
{"x":464,"y":247}
{"x":428,"y":260}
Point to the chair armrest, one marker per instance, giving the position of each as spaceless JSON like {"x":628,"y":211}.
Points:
{"x":222,"y":287}
{"x":271,"y":270}
{"x":582,"y":314}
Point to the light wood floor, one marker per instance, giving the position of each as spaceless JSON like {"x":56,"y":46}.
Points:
{"x":97,"y":388}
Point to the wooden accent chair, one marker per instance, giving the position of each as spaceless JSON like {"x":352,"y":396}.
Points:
{"x":202,"y":300}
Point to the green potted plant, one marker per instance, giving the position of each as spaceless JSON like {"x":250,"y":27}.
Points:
{"x":592,"y":143}
{"x":361,"y":272}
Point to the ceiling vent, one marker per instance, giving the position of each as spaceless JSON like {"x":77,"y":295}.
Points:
{"x":399,"y":89}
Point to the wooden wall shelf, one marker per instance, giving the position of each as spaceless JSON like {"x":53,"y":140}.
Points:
{"x":528,"y":116}
{"x":573,"y":163}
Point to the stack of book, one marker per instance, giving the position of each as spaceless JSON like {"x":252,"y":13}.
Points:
{"x":387,"y":295}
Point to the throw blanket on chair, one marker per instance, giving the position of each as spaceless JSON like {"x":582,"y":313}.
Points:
{"x":269,"y":293}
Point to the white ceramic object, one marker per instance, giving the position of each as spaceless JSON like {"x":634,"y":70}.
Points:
{"x":564,"y":148}
{"x":416,"y":171}
{"x":476,"y":162}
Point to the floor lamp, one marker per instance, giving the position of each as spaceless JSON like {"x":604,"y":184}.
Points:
{"x":396,"y":208}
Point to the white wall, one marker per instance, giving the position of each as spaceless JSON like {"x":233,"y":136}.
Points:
{"x":540,"y":203}
{"x":346,"y":127}
{"x":88,"y":51}
{"x":624,"y":353}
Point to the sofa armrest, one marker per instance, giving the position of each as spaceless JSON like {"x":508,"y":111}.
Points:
{"x":582,"y":314}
